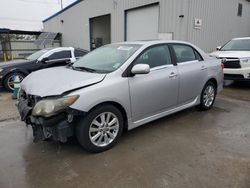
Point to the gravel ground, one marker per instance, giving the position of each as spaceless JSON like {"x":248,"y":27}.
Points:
{"x":8,"y":110}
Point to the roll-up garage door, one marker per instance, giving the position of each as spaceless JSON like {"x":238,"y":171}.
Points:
{"x":142,"y":23}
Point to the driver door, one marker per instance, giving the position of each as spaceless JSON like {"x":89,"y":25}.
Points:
{"x":157,"y":91}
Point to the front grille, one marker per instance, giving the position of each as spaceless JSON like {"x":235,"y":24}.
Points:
{"x":233,"y":76}
{"x":231,"y":63}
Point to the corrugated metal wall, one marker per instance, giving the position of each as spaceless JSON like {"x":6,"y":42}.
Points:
{"x":219,"y":18}
{"x":220,"y":22}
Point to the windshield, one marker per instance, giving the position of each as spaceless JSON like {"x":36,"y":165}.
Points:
{"x":37,"y":54}
{"x":237,"y":45}
{"x":106,"y":59}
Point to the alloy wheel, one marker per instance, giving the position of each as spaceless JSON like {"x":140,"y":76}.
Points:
{"x":11,"y":80}
{"x":209,"y":96}
{"x":104,"y":129}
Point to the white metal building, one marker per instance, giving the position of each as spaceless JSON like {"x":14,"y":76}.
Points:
{"x":207,"y":23}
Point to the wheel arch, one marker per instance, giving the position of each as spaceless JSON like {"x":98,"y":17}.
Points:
{"x":14,"y":71}
{"x":214,"y":81}
{"x":119,"y":107}
{"x":11,"y":72}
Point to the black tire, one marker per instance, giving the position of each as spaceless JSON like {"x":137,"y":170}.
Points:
{"x":7,"y":79}
{"x":83,"y":128}
{"x":203,"y":106}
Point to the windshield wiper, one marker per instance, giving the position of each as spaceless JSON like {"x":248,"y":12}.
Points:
{"x":84,"y":68}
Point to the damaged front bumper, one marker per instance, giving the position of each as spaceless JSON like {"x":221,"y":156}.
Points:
{"x":59,"y":127}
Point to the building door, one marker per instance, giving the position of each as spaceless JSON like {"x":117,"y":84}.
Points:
{"x":142,"y":23}
{"x":100,"y":31}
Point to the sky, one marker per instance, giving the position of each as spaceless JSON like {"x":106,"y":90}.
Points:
{"x":28,"y":14}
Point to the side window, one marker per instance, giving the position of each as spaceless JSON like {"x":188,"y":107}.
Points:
{"x":66,"y":54}
{"x":185,"y":53}
{"x":79,"y":53}
{"x":155,"y":57}
{"x":198,"y":56}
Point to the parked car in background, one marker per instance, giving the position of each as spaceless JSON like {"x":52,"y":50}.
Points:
{"x":50,"y":57}
{"x":235,"y":56}
{"x":117,"y":87}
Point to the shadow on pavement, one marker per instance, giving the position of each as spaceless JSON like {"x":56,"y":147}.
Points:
{"x":236,"y":90}
{"x":237,"y":84}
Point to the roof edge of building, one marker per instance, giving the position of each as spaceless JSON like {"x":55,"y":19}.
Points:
{"x":61,"y":11}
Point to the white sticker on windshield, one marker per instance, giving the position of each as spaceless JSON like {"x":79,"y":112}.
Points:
{"x":127,"y":48}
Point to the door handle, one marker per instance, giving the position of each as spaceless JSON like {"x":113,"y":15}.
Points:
{"x":172,"y":75}
{"x":203,"y":68}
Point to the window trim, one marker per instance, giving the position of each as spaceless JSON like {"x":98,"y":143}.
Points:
{"x":194,"y":50}
{"x":127,"y":72}
{"x":60,"y":58}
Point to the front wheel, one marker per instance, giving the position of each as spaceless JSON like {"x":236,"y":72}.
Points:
{"x":9,"y":80}
{"x":100,"y":129}
{"x":208,"y":96}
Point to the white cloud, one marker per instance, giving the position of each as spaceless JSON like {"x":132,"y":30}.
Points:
{"x":28,"y":14}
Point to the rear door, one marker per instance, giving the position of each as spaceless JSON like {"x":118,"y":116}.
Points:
{"x":192,"y":72}
{"x":157,"y":91}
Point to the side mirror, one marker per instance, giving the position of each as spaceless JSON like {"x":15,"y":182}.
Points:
{"x":44,"y":60}
{"x":140,"y":69}
{"x":218,"y":48}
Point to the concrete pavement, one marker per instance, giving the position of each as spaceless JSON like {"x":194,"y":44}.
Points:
{"x":189,"y":149}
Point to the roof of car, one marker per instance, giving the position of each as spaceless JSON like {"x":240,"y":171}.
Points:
{"x":151,"y":42}
{"x":242,"y":38}
{"x":59,"y":48}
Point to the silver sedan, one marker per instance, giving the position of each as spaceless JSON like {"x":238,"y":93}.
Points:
{"x":116,"y":87}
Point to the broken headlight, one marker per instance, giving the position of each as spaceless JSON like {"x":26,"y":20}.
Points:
{"x":49,"y":107}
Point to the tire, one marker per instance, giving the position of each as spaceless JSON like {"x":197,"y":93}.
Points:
{"x":8,"y":80}
{"x":96,"y":136}
{"x":208,"y":96}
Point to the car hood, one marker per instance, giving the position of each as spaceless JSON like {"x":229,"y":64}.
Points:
{"x":56,"y":81}
{"x":231,"y":54}
{"x":14,"y":63}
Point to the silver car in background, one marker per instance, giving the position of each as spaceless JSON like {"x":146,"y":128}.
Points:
{"x":118,"y":87}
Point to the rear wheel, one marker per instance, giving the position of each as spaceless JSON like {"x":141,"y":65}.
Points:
{"x":100,"y":129}
{"x":208,"y":96}
{"x":9,"y":80}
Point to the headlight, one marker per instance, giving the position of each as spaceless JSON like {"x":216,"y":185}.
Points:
{"x":49,"y":107}
{"x":245,"y":60}
{"x":1,"y":70}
